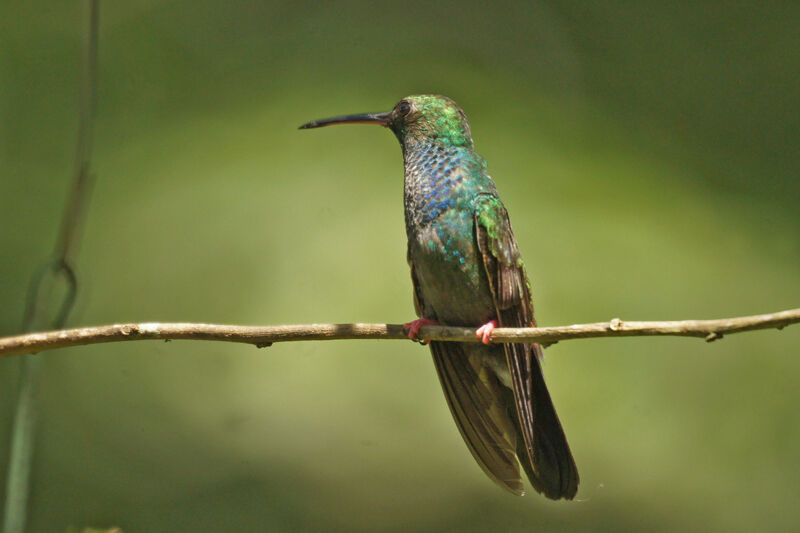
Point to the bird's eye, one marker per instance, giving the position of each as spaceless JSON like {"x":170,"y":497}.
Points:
{"x":404,"y":108}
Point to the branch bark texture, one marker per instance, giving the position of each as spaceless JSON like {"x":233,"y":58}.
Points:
{"x":262,"y":336}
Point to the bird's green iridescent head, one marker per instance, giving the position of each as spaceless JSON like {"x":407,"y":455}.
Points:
{"x":426,"y":117}
{"x":430,"y":116}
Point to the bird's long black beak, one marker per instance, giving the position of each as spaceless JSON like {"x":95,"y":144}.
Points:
{"x":364,"y":118}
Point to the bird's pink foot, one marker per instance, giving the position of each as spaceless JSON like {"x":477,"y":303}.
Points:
{"x":413,"y":328}
{"x":485,"y":331}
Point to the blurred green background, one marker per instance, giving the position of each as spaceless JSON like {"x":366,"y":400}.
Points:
{"x":648,"y":154}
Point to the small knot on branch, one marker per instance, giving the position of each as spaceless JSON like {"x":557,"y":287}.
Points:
{"x":711,"y":337}
{"x":615,"y":324}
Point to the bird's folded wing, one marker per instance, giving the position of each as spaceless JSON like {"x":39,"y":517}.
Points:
{"x":550,"y":467}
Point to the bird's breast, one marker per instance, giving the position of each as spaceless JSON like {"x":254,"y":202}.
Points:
{"x":449,"y":269}
{"x":441,"y":184}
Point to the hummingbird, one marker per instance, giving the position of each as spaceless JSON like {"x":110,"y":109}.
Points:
{"x":466,"y":270}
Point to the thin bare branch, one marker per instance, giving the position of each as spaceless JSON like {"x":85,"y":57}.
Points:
{"x":266,"y":335}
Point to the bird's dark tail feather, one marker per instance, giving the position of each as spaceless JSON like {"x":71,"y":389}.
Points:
{"x":552,"y":470}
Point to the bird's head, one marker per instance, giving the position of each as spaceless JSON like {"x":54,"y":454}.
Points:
{"x":426,"y":117}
